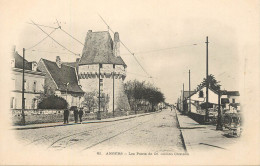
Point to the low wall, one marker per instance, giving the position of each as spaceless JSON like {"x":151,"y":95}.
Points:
{"x":52,"y":116}
{"x":197,"y":117}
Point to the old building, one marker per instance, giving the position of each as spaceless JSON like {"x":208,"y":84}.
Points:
{"x":33,"y":83}
{"x":61,"y":80}
{"x":100,"y":56}
{"x":198,"y":99}
{"x":230,"y":100}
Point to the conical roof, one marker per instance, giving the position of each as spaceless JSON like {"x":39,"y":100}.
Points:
{"x":98,"y":49}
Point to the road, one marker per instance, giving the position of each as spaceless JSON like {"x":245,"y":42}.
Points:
{"x":155,"y":132}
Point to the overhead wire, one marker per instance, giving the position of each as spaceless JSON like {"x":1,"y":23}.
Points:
{"x":55,"y":40}
{"x":42,"y":25}
{"x":126,"y":48}
{"x":72,"y":36}
{"x":41,"y":40}
{"x":50,"y":52}
{"x":162,"y":49}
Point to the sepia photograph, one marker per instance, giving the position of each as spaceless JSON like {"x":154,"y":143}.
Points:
{"x":160,"y":82}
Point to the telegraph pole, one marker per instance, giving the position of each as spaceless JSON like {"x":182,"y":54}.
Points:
{"x":183,"y":98}
{"x":219,"y":121}
{"x":189,"y":94}
{"x":23,"y":102}
{"x":207,"y":83}
{"x":113,"y":93}
{"x":99,"y":115}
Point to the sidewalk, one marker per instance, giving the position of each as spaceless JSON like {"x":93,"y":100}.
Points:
{"x":202,"y":137}
{"x":58,"y":124}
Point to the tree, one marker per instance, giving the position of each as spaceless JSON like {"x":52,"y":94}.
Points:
{"x":139,"y":93}
{"x":213,"y":83}
{"x":90,"y":100}
{"x":52,"y":102}
{"x":104,"y":101}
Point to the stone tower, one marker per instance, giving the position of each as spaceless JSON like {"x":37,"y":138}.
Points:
{"x":101,"y":53}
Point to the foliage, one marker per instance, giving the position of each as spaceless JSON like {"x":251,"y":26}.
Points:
{"x":104,"y":101}
{"x":139,"y":93}
{"x":213,"y":83}
{"x":52,"y":102}
{"x":91,"y":100}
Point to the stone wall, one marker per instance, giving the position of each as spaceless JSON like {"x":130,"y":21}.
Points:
{"x":52,"y":116}
{"x":88,"y":76}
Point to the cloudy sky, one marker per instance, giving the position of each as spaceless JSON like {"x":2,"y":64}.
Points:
{"x":162,"y":35}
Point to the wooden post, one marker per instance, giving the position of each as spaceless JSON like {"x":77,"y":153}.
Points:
{"x":219,"y":121}
{"x":23,"y":102}
{"x":207,"y":84}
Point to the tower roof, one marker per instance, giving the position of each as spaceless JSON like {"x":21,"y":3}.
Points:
{"x":98,"y":49}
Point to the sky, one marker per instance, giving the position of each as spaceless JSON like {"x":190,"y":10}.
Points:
{"x":146,"y":26}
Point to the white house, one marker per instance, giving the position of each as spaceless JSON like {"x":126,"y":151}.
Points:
{"x":33,"y":83}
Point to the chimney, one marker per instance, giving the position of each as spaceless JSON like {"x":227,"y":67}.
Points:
{"x":34,"y":65}
{"x":13,"y":48}
{"x":116,"y":46}
{"x":58,"y":61}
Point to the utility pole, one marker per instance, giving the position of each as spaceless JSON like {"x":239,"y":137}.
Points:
{"x":23,"y":102}
{"x":135,"y":96}
{"x":99,"y":115}
{"x":219,"y":122}
{"x":113,"y":92}
{"x":189,"y":94}
{"x":183,"y":99}
{"x":207,"y":83}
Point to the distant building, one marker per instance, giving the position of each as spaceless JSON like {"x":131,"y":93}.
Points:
{"x":198,"y":99}
{"x":33,"y":83}
{"x":230,"y":100}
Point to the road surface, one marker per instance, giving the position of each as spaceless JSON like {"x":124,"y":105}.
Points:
{"x":155,"y":132}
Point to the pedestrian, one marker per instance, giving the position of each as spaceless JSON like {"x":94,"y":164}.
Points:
{"x":80,"y":114}
{"x":66,"y":116}
{"x":76,"y":113}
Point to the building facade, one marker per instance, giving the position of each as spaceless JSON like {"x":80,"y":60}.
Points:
{"x":33,"y":83}
{"x":101,"y":57}
{"x":61,"y":80}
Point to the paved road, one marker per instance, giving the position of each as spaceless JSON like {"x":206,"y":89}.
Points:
{"x":156,"y":132}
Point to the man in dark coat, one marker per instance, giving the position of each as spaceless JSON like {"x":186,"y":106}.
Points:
{"x":80,"y":114}
{"x":66,"y":116}
{"x":76,"y":113}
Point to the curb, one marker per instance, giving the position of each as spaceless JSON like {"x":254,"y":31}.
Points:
{"x":182,"y":138}
{"x":86,"y":122}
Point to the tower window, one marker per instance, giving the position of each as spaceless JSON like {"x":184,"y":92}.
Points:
{"x":100,"y":65}
{"x":101,"y":85}
{"x":201,"y":94}
{"x":34,"y":86}
{"x":114,"y":66}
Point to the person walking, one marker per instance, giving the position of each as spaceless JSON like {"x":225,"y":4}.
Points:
{"x":66,"y":116}
{"x":76,"y":113}
{"x":80,"y":114}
